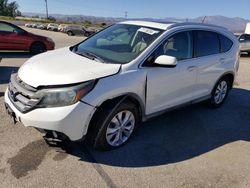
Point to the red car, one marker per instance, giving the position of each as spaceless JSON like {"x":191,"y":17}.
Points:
{"x":13,"y":37}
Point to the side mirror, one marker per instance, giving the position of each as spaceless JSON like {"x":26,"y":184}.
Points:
{"x":165,"y":60}
{"x":242,"y":39}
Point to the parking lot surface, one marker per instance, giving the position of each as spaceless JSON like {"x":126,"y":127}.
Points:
{"x":191,"y":147}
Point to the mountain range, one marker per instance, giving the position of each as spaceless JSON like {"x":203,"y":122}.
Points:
{"x":236,"y":24}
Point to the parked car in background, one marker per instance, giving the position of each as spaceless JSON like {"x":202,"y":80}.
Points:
{"x":89,"y":32}
{"x":52,"y":27}
{"x":73,"y":30}
{"x":62,"y":27}
{"x":244,"y":40}
{"x":103,"y":87}
{"x":28,"y":25}
{"x":35,"y":25}
{"x":15,"y":38}
{"x":42,"y":26}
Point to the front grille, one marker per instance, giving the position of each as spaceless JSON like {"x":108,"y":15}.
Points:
{"x":22,"y":95}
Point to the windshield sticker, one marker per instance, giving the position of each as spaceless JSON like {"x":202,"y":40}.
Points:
{"x":148,"y":31}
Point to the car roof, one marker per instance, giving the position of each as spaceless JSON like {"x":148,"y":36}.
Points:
{"x":170,"y":25}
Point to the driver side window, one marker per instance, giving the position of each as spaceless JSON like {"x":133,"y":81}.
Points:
{"x":179,"y":45}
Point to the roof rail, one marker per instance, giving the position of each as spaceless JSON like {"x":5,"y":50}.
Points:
{"x":194,"y":23}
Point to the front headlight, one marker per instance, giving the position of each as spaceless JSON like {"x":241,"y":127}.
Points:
{"x":63,"y":96}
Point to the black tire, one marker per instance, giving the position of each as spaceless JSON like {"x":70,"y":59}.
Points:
{"x":86,"y":34}
{"x":70,"y":33}
{"x":37,"y":48}
{"x":102,"y":119}
{"x":213,"y":103}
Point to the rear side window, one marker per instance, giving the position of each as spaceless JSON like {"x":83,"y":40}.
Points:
{"x":206,"y":43}
{"x":6,"y":28}
{"x":225,"y":43}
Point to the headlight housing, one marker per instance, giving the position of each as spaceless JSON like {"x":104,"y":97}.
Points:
{"x":56,"y":97}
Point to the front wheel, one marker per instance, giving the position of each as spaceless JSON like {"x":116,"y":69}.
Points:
{"x":220,"y":92}
{"x":37,"y":48}
{"x":113,"y":128}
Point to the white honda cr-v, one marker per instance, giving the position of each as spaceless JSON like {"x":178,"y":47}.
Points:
{"x":103,"y":87}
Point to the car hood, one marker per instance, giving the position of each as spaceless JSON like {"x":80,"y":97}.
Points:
{"x":60,"y":67}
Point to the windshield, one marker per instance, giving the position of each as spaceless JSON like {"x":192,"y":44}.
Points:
{"x":118,"y":44}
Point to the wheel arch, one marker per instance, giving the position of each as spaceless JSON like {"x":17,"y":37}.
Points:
{"x":114,"y":102}
{"x":230,"y":75}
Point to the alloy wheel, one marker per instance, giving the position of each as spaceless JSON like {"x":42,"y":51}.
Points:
{"x":120,"y":128}
{"x":220,"y":92}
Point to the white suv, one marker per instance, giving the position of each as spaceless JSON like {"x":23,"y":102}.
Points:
{"x":52,"y":27}
{"x":103,"y":87}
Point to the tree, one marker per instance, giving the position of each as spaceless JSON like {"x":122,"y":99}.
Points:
{"x":9,"y":9}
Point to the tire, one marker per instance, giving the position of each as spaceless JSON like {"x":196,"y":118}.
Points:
{"x":37,"y":48}
{"x":70,"y":33}
{"x":220,"y":92}
{"x":106,"y":126}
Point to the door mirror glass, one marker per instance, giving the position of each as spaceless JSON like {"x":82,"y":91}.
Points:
{"x":165,"y":60}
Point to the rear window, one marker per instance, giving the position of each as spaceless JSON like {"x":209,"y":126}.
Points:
{"x":206,"y":43}
{"x":225,"y":43}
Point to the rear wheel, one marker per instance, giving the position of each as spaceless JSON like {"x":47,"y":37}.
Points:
{"x":220,"y":92}
{"x":113,"y":128}
{"x":37,"y":48}
{"x":70,"y":33}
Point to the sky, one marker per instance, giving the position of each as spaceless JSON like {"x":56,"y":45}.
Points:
{"x":141,"y":8}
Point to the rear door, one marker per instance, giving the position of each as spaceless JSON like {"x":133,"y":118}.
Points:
{"x":210,"y":61}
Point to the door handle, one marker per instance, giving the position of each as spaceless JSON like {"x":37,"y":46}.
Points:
{"x":191,"y":68}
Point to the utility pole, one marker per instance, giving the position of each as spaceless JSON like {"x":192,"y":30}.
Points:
{"x":204,"y":19}
{"x":47,"y":13}
{"x":126,"y":14}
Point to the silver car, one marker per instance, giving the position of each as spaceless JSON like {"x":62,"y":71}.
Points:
{"x":244,"y":40}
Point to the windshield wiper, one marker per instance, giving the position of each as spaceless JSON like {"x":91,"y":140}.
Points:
{"x":91,"y":56}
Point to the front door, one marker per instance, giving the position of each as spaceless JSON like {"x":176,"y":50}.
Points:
{"x":168,"y":87}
